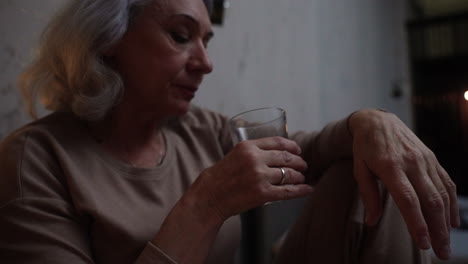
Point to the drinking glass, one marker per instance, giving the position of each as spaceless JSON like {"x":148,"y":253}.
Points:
{"x":255,"y":124}
{"x":259,"y":123}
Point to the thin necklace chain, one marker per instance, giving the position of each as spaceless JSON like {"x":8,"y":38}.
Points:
{"x":124,"y":155}
{"x":161,"y":154}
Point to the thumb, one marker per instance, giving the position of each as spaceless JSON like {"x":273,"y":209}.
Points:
{"x":369,"y":190}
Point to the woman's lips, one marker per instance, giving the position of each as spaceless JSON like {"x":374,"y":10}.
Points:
{"x":187,"y":91}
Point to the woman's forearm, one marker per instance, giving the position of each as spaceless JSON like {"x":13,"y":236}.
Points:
{"x":322,"y":149}
{"x":190,"y":229}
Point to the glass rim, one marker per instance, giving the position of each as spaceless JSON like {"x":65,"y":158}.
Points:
{"x":281,"y":110}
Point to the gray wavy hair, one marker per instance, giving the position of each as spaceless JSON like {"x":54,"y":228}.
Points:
{"x":69,"y":72}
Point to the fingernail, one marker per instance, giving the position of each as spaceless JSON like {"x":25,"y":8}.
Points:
{"x":445,"y":252}
{"x":297,"y":151}
{"x":425,"y":242}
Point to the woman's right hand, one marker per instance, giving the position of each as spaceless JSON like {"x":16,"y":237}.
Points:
{"x":247,"y":177}
{"x":250,"y":176}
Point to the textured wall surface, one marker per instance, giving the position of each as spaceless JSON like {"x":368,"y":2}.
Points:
{"x":20,"y":24}
{"x":318,"y":59}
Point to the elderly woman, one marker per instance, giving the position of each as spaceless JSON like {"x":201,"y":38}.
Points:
{"x":125,"y":170}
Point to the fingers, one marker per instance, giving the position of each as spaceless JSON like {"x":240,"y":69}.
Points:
{"x":283,"y":158}
{"x":408,"y":202}
{"x":279,"y":152}
{"x":260,"y":161}
{"x":434,"y":206}
{"x":422,"y":206}
{"x":370,"y":192}
{"x":452,"y":192}
{"x":278,"y":143}
{"x":421,"y":188}
{"x":423,"y":209}
{"x":440,"y":194}
{"x":291,"y":176}
{"x":438,"y":215}
{"x":291,"y":164}
{"x":288,"y":192}
{"x":438,"y":200}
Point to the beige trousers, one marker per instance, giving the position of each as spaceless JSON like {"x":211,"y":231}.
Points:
{"x":331,"y":228}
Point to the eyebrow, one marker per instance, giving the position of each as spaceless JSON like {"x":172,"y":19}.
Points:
{"x":209,"y":35}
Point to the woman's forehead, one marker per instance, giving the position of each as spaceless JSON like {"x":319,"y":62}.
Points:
{"x":165,"y":9}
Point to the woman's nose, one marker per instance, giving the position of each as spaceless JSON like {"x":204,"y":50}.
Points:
{"x":200,"y":61}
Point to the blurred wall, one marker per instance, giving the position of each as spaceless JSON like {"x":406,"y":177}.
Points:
{"x":20,"y":24}
{"x":318,"y":59}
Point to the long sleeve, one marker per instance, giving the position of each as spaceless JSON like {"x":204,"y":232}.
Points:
{"x":42,"y":231}
{"x":38,"y":223}
{"x":321,"y":149}
{"x":65,"y":200}
{"x":38,"y":220}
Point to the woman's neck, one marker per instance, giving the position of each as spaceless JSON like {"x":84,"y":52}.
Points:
{"x":133,"y":138}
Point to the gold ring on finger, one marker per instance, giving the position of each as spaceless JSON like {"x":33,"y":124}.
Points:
{"x":283,"y":175}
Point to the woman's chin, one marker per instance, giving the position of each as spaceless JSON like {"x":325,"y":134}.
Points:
{"x":172,"y":108}
{"x":181,"y":108}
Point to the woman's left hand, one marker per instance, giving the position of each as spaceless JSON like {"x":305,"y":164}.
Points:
{"x":384,"y":148}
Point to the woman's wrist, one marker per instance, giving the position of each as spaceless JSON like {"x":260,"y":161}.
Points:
{"x":190,"y":229}
{"x":362,"y":119}
{"x":198,"y":199}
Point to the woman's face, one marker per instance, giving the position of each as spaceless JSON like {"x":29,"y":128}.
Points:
{"x":162,"y":58}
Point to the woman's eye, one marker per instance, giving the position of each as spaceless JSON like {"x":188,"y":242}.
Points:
{"x":180,"y":38}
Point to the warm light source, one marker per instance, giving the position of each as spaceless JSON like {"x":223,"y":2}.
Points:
{"x":466,"y":95}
